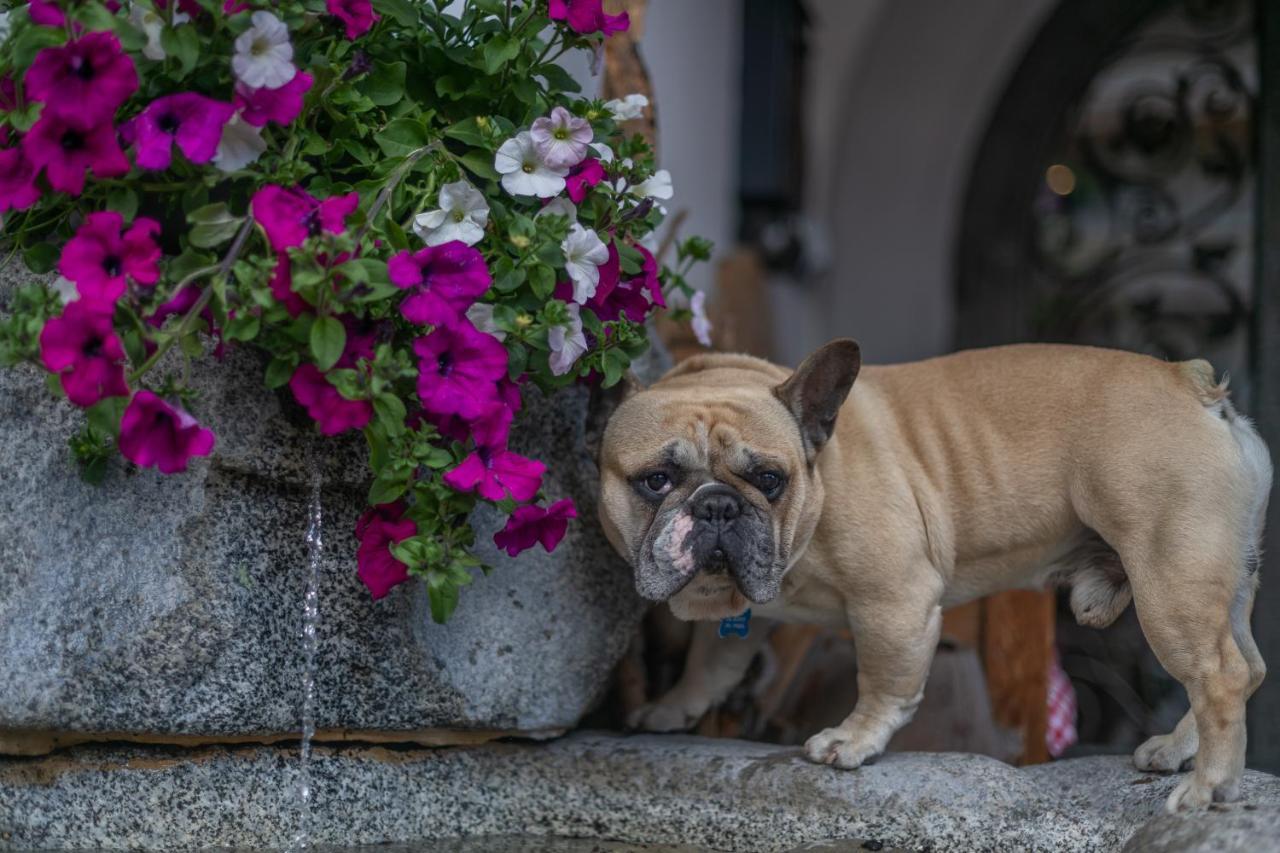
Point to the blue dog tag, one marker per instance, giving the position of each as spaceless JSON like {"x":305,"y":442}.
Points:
{"x":740,"y":625}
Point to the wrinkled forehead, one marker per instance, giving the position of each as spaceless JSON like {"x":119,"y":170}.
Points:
{"x":696,"y":429}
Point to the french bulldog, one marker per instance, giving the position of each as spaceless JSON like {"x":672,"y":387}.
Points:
{"x":732,"y":483}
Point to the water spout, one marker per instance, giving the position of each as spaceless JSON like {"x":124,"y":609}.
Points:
{"x":310,"y":624}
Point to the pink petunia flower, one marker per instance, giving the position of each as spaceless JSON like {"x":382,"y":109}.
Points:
{"x":290,"y":216}
{"x":358,"y":15}
{"x":446,"y":280}
{"x":582,"y":178}
{"x":101,"y":260}
{"x":82,"y":348}
{"x":192,"y":122}
{"x":561,"y":138}
{"x":529,"y":525}
{"x":88,"y":77}
{"x":588,"y":16}
{"x":18,"y":189}
{"x":460,"y":369}
{"x":156,"y":433}
{"x":377,"y":530}
{"x":327,"y":407}
{"x":280,"y":105}
{"x":496,"y":473}
{"x":282,"y":287}
{"x":67,"y":146}
{"x":234,"y":7}
{"x":46,"y":14}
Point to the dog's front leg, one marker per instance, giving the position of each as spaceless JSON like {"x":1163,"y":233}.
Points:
{"x":895,"y":642}
{"x":712,"y":667}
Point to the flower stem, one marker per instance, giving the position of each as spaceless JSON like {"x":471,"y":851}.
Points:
{"x":201,"y":302}
{"x":384,"y":195}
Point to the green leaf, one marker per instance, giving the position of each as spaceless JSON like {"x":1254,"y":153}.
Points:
{"x":557,"y":78}
{"x":328,"y":339}
{"x":443,"y":595}
{"x":391,"y":413}
{"x":40,"y":257}
{"x":213,"y":225}
{"x":244,"y":327}
{"x":279,"y":371}
{"x":183,"y":44}
{"x":404,"y":12}
{"x":387,"y":487}
{"x":95,"y":17}
{"x":401,"y":137}
{"x":131,"y":38}
{"x":104,"y":415}
{"x":124,"y":201}
{"x":468,"y":131}
{"x":480,"y":163}
{"x":543,"y":280}
{"x":498,"y":51}
{"x":24,"y":46}
{"x":384,"y":85}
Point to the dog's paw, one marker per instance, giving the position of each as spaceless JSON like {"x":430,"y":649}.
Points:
{"x":1193,"y":793}
{"x":1164,"y":754}
{"x":839,"y":748}
{"x":664,"y":716}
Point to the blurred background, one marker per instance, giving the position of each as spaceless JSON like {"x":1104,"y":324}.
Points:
{"x":930,"y":175}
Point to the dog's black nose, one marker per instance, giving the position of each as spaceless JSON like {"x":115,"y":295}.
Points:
{"x":717,"y":503}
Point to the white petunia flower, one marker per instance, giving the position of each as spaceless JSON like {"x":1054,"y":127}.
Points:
{"x":481,"y":316}
{"x":522,"y":170}
{"x":152,"y":24}
{"x":66,"y":289}
{"x":657,"y":186}
{"x":628,"y":108}
{"x":561,"y":206}
{"x":264,"y":56}
{"x":604,"y":151}
{"x":240,"y":145}
{"x":461,"y":216}
{"x":567,"y":343}
{"x":583,"y":255}
{"x":701,"y":325}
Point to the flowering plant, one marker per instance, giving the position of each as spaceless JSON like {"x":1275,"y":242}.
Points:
{"x":412,"y":213}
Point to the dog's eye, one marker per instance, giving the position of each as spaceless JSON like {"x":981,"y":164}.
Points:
{"x":770,"y":483}
{"x":657,"y":483}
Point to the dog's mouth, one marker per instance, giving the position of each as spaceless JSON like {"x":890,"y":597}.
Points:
{"x":708,"y":596}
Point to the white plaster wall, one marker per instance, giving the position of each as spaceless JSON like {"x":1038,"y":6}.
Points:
{"x":900,"y":96}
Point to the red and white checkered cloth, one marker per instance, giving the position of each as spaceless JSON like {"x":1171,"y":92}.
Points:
{"x":1061,"y":731}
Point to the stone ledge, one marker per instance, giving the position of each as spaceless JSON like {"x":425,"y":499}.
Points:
{"x":665,"y":790}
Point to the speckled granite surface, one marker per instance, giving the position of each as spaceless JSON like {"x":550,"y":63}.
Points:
{"x":172,"y":605}
{"x":674,"y":790}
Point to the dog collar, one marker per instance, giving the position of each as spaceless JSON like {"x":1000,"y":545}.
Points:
{"x":740,"y":625}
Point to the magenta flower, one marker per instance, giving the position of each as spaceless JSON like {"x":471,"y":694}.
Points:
{"x":529,"y":525}
{"x":67,"y":146}
{"x":89,"y":77}
{"x":583,"y":177}
{"x":495,"y":473}
{"x":290,"y":216}
{"x":281,"y":105}
{"x":82,"y":348}
{"x":377,"y":530}
{"x":192,"y":122}
{"x":633,"y":298}
{"x":153,"y":432}
{"x":46,"y":14}
{"x":358,"y":15}
{"x":446,"y":280}
{"x":460,"y":369}
{"x":100,"y":260}
{"x":234,"y":7}
{"x":329,"y":409}
{"x":588,"y":16}
{"x":18,"y":189}
{"x":282,"y":287}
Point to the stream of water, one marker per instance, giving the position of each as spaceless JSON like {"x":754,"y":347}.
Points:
{"x":310,"y":626}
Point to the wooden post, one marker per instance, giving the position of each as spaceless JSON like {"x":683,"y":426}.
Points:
{"x":1017,"y":652}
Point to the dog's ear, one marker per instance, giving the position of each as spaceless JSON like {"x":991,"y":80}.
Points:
{"x":601,"y":406}
{"x":818,"y":388}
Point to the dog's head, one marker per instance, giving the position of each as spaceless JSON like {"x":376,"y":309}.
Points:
{"x":709,"y":486}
